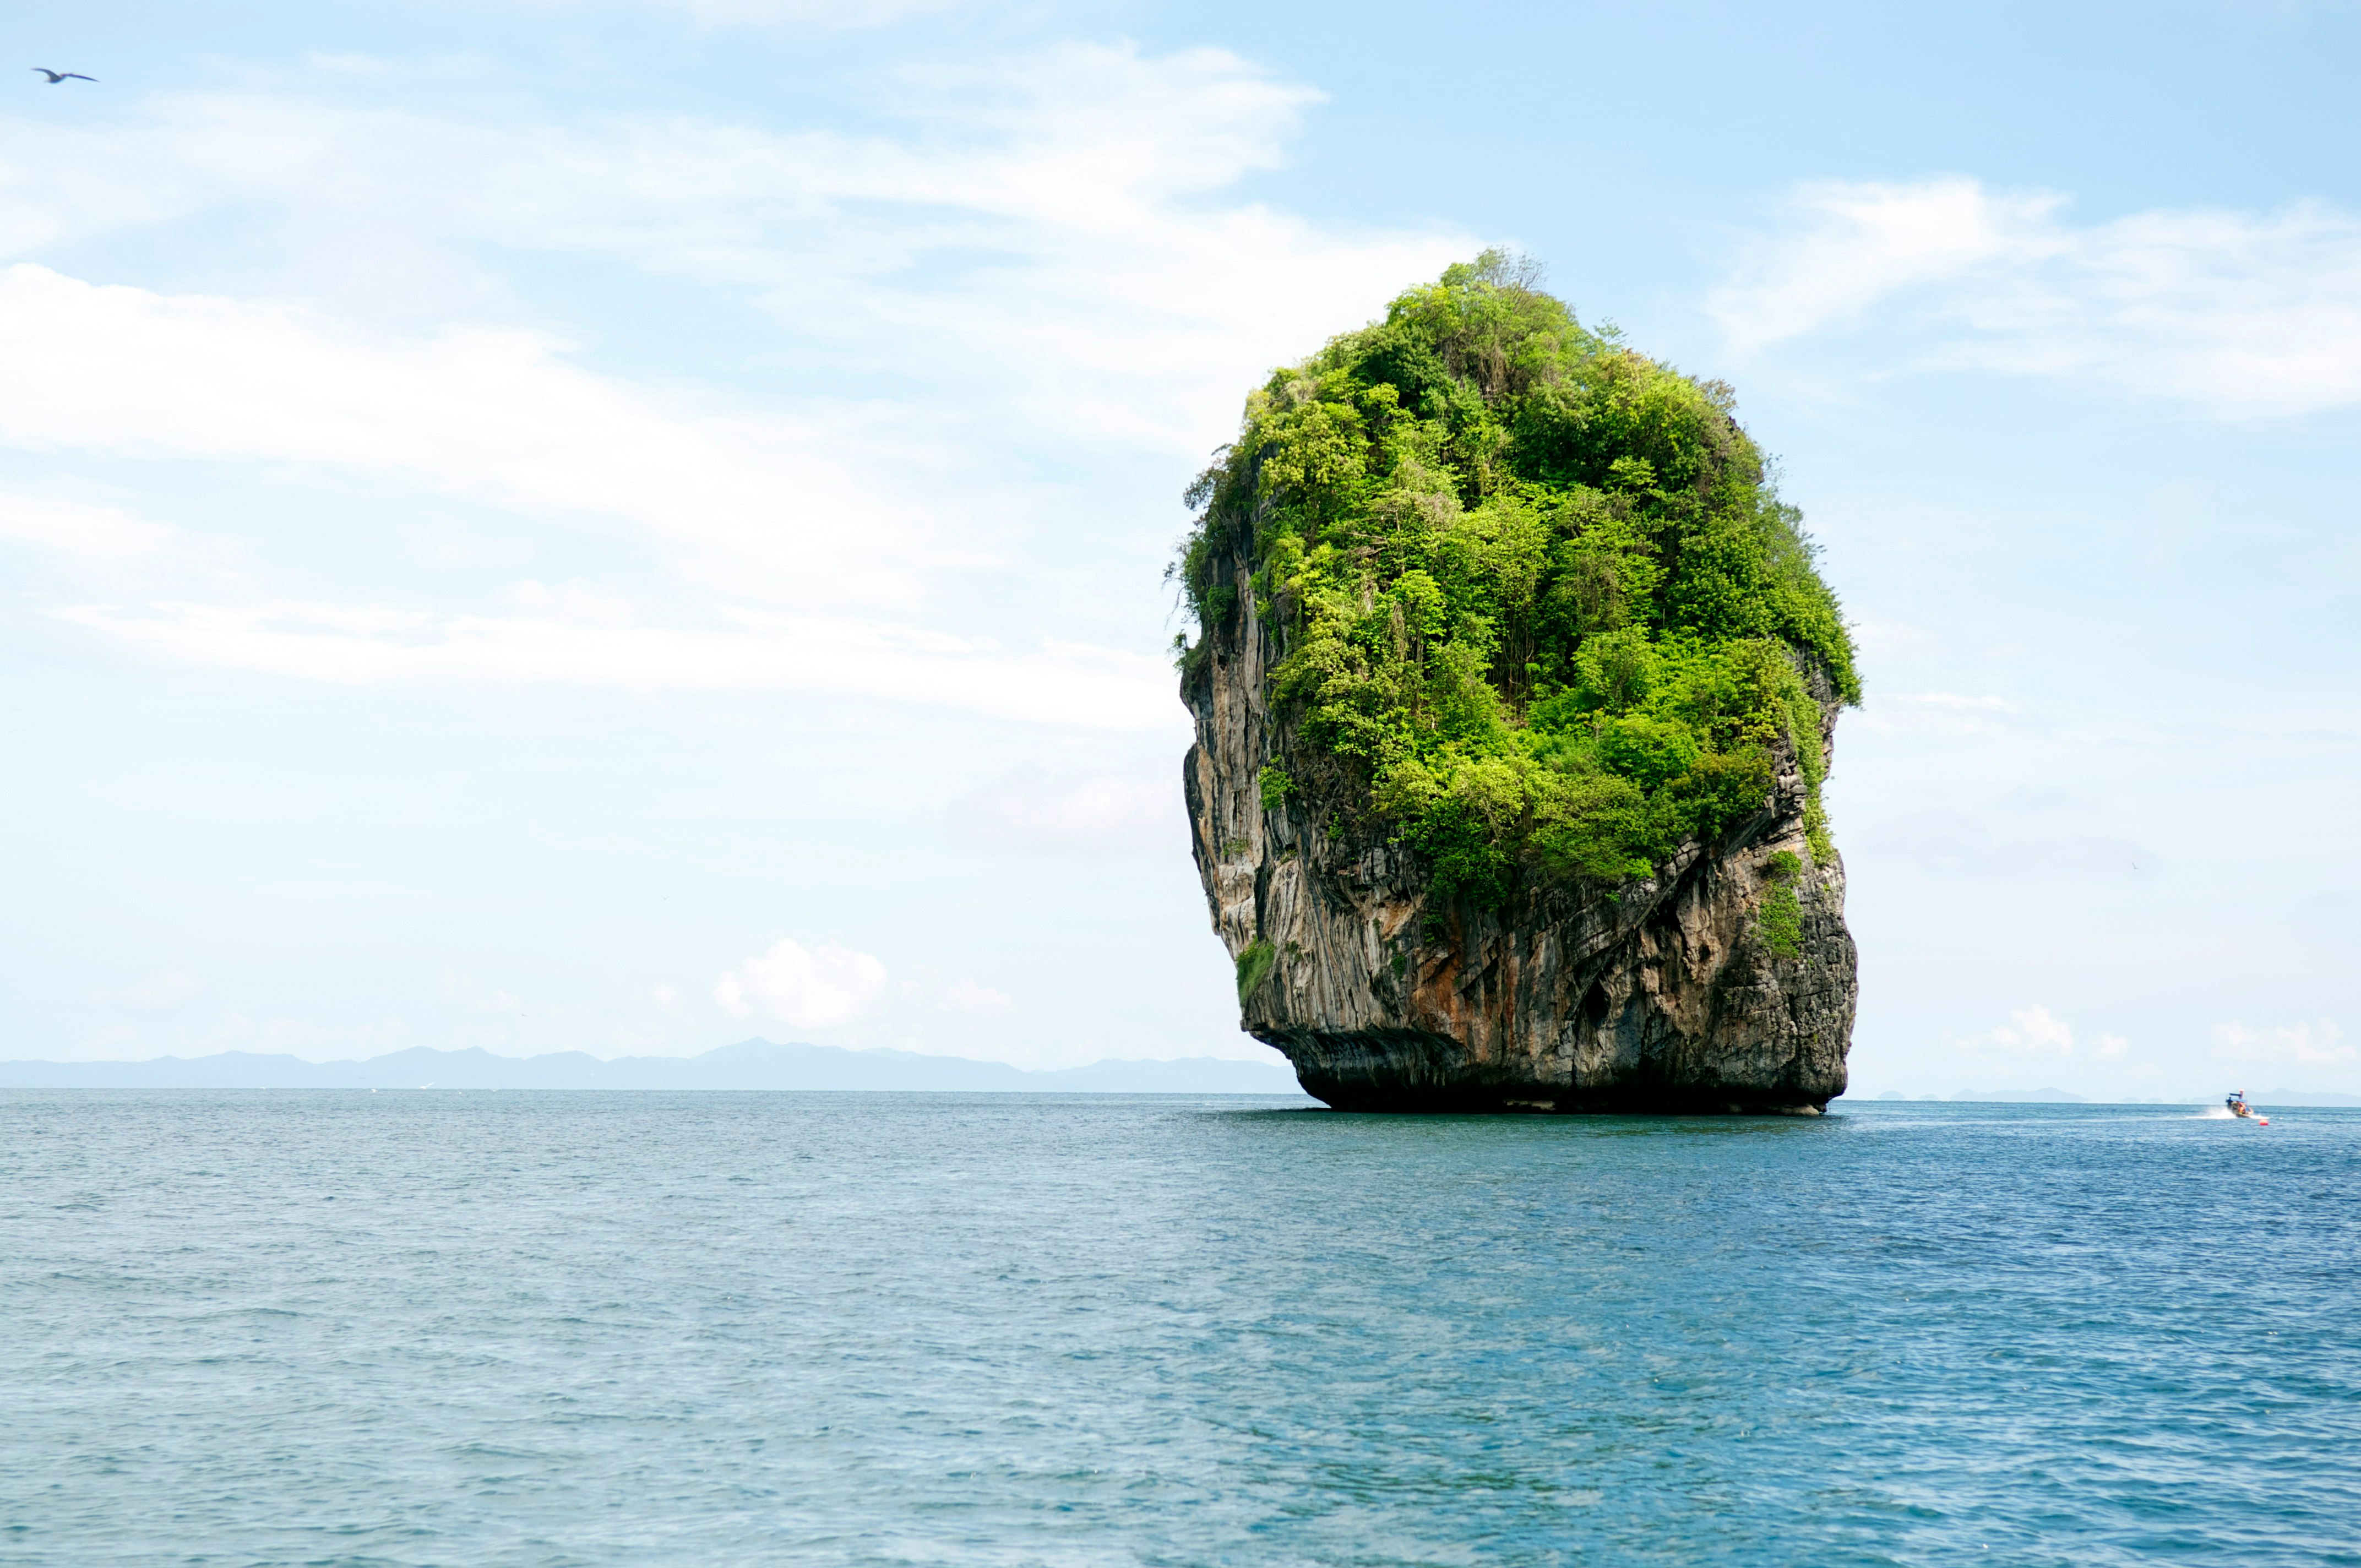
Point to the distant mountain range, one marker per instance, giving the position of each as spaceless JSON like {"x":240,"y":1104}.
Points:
{"x":2067,"y":1097}
{"x":749,"y":1064}
{"x":759,"y":1064}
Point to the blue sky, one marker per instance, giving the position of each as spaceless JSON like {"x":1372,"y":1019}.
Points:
{"x":624,"y":526}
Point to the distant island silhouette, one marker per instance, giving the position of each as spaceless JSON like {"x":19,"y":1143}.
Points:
{"x":749,"y":1064}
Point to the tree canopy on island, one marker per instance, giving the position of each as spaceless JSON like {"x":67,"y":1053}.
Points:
{"x":1540,"y":605}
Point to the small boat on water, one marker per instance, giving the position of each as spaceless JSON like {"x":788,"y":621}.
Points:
{"x":2243,"y":1112}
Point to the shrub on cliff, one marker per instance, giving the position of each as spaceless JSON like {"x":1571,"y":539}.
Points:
{"x":1540,"y":605}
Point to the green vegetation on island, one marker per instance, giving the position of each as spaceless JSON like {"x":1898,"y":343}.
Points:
{"x":1542,"y":610}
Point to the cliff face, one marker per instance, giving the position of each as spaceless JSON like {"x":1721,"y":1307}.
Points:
{"x":1668,"y":995}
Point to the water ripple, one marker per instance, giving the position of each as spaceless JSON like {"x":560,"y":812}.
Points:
{"x":585,"y":1329}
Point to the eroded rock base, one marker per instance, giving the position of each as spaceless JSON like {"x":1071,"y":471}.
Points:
{"x":1521,"y":1100}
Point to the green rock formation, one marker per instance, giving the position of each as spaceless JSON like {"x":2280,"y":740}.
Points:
{"x":1506,"y":642}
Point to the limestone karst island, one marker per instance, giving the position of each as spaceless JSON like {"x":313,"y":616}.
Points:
{"x":1514,"y":688}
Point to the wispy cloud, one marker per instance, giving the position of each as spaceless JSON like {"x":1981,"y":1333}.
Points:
{"x":1033,"y":809}
{"x":1042,"y":266}
{"x":101,"y":534}
{"x":770,"y":508}
{"x":809,"y":987}
{"x":2306,"y":1042}
{"x":2234,"y":313}
{"x":2030,"y":1031}
{"x":361,"y":644}
{"x":1959,"y":844}
{"x":770,"y":12}
{"x":1057,"y":224}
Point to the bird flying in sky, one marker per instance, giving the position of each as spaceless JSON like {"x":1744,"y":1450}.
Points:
{"x":57,"y":76}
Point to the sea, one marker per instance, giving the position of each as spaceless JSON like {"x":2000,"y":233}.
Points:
{"x":434,"y":1327}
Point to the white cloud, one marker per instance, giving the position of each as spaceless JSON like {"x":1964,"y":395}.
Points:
{"x":99,"y":533}
{"x":2030,"y":1031}
{"x":967,"y":996}
{"x":1032,"y":809}
{"x":806,"y":988}
{"x":2316,"y":1043}
{"x":2237,"y":313}
{"x":1050,"y":224}
{"x":1849,"y":247}
{"x":2114,"y":1045}
{"x":761,"y":508}
{"x":1043,"y":255}
{"x":1047,"y":236}
{"x":467,"y":989}
{"x":733,"y":651}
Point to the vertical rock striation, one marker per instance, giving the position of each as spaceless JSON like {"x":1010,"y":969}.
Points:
{"x":1666,"y":993}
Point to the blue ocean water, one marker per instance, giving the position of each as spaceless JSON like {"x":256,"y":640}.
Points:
{"x":343,"y":1328}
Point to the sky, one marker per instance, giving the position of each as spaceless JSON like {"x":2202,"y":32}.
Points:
{"x":621,"y":526}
